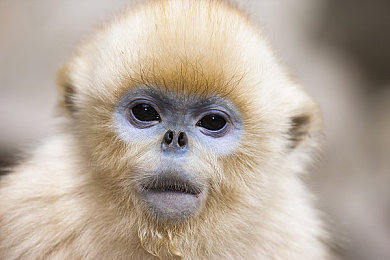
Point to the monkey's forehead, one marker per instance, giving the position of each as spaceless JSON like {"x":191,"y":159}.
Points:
{"x":196,"y":46}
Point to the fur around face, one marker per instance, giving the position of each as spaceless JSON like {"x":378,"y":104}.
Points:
{"x":74,"y":198}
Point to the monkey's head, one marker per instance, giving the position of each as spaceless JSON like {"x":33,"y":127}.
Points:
{"x":183,"y":114}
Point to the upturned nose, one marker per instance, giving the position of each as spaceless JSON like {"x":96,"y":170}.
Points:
{"x":174,"y":141}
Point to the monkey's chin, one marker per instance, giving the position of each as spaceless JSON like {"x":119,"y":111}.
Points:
{"x":173,"y":205}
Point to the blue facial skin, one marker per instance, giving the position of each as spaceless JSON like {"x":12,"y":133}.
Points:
{"x":162,"y":192}
{"x":180,"y":114}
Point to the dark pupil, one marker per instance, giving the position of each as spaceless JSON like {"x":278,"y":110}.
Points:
{"x":212,"y":122}
{"x":145,"y":112}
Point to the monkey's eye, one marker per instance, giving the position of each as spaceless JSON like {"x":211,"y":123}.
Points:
{"x":145,"y":112}
{"x":212,"y":122}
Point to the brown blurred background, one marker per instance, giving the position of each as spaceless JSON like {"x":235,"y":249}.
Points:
{"x":339,"y":50}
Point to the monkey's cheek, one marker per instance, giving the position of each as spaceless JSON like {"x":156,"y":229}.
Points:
{"x":173,"y":206}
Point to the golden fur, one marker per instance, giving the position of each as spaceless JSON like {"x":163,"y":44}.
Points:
{"x":73,"y":198}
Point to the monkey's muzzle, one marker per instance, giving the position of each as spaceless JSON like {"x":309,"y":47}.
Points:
{"x":172,"y":196}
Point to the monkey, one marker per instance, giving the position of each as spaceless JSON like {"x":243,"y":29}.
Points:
{"x":178,"y":135}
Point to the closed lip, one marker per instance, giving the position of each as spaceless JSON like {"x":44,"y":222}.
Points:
{"x":171,"y":184}
{"x":172,"y":196}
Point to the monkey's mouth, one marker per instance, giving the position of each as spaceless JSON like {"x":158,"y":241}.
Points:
{"x":172,"y":186}
{"x":172,"y":198}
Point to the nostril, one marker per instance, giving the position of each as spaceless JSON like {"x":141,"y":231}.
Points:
{"x":168,"y":137}
{"x":182,"y":140}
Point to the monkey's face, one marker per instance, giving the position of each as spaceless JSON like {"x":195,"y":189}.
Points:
{"x":180,"y":135}
{"x":186,"y":113}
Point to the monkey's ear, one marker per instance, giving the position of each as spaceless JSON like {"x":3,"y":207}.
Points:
{"x":306,"y":123}
{"x":66,"y":90}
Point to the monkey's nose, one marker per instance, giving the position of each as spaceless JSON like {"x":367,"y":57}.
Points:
{"x":174,"y":141}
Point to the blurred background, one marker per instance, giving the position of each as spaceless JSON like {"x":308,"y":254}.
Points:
{"x":339,"y":50}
